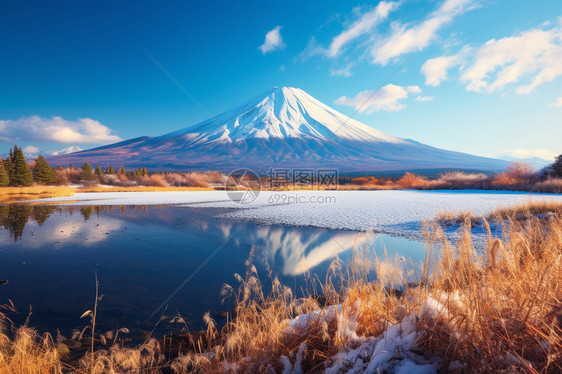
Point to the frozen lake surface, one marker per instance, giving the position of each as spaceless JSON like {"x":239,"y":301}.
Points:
{"x":392,"y":212}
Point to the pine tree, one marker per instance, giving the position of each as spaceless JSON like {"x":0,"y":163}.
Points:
{"x":98,"y":173}
{"x":9,"y":163}
{"x":43,"y":172}
{"x":557,"y":166}
{"x":87,"y":172}
{"x":122,"y":171}
{"x":21,"y":173}
{"x":4,"y":177}
{"x":110,"y":170}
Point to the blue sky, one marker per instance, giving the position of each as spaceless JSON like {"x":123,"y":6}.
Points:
{"x":483,"y":77}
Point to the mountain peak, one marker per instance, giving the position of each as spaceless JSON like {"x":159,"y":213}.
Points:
{"x":282,"y":127}
{"x":282,"y":113}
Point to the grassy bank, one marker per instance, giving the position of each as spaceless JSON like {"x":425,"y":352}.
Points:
{"x":140,"y":189}
{"x":466,"y":311}
{"x":14,"y":194}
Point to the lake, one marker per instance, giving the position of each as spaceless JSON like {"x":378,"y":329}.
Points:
{"x":148,"y":256}
{"x":171,"y":252}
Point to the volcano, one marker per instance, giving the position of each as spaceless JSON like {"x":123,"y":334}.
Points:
{"x":283,"y":128}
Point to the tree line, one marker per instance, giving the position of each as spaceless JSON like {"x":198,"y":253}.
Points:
{"x":15,"y":171}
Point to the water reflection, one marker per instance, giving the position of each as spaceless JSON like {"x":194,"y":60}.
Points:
{"x":13,"y":218}
{"x":143,"y":254}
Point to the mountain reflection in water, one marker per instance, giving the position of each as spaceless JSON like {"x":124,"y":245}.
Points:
{"x":142,"y":254}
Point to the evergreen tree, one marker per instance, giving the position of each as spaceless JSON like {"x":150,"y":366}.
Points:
{"x":87,"y":172}
{"x":557,"y":166}
{"x":9,"y":163}
{"x":122,"y":171}
{"x":110,"y":170}
{"x":141,"y":172}
{"x":98,"y":173}
{"x":4,"y":177}
{"x":20,"y":170}
{"x":43,"y":172}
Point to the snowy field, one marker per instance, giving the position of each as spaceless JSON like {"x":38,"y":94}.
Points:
{"x":391,"y":212}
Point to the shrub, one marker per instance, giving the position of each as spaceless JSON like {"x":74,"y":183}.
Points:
{"x":363,"y":181}
{"x":410,"y":180}
{"x":521,"y":172}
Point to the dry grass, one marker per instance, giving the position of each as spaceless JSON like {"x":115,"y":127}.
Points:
{"x":28,"y":353}
{"x":15,"y":194}
{"x":448,"y":218}
{"x":141,"y":189}
{"x":552,"y":185}
{"x":540,"y":209}
{"x":498,"y":310}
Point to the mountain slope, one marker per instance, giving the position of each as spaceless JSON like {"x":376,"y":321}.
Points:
{"x":284,"y":127}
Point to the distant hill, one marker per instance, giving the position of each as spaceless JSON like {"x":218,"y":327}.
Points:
{"x":537,"y":162}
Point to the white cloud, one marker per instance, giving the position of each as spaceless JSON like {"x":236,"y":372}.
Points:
{"x":56,"y":129}
{"x":386,"y":99}
{"x":530,"y":58}
{"x":528,"y":153}
{"x":31,"y":149}
{"x":423,"y":99}
{"x":556,"y":103}
{"x":273,"y":41}
{"x":343,"y":72}
{"x":360,"y":27}
{"x":435,"y":69}
{"x":414,"y":89}
{"x":405,"y":39}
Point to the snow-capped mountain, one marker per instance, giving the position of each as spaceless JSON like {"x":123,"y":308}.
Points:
{"x":35,"y":152}
{"x":283,"y":127}
{"x":63,"y":151}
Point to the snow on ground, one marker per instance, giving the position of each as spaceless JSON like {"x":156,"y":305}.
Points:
{"x":395,"y":350}
{"x":391,"y":212}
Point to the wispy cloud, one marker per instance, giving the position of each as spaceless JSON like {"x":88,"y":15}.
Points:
{"x":525,"y":60}
{"x":343,"y":72}
{"x":56,"y":129}
{"x":533,"y":56}
{"x":387,"y":99}
{"x":363,"y":25}
{"x":423,"y":99}
{"x":404,"y":39}
{"x":556,"y":103}
{"x":273,"y":41}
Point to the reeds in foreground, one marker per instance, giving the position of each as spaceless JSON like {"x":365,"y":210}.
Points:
{"x":497,"y":310}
